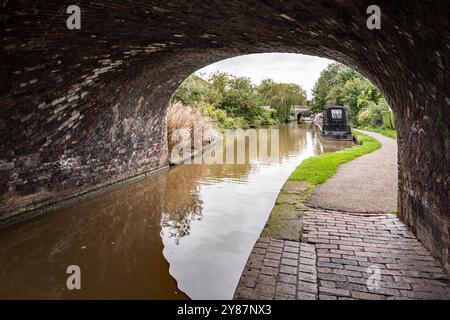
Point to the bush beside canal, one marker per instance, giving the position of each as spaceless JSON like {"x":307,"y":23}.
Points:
{"x":182,"y":121}
{"x":235,"y":102}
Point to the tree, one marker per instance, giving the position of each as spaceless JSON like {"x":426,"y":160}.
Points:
{"x":219,"y":82}
{"x":340,"y":85}
{"x":357,"y":94}
{"x":236,"y":102}
{"x":327,"y":90}
{"x":241,"y":99}
{"x":282,"y":96}
{"x":192,"y":91}
{"x":372,"y":115}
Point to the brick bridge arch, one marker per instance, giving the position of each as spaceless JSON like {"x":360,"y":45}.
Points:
{"x":82,"y":108}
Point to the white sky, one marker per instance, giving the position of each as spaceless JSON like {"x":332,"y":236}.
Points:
{"x":281,"y":67}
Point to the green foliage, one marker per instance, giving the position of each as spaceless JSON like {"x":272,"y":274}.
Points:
{"x":328,"y":89}
{"x":388,"y":119}
{"x":340,"y":85}
{"x":318,"y":169}
{"x":241,"y":100}
{"x":235,"y":102}
{"x":282,"y":96}
{"x":192,"y":91}
{"x":221,"y":118}
{"x":372,"y":115}
{"x":378,"y":118}
{"x":357,"y":94}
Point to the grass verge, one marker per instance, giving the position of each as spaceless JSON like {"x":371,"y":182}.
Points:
{"x":318,"y":169}
{"x":390,"y":133}
{"x":285,"y":221}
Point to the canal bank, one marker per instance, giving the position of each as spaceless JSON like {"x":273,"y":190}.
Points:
{"x":285,"y":222}
{"x":208,"y":254}
{"x":50,"y":206}
{"x":185,"y":232}
{"x":334,"y":253}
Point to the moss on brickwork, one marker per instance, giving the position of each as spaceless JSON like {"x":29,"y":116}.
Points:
{"x":284,"y":222}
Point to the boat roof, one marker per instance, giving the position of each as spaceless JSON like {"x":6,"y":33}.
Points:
{"x":335,"y":107}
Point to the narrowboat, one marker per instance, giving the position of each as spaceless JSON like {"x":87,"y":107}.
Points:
{"x":332,"y":123}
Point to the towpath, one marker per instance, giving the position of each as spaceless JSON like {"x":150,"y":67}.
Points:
{"x":352,"y":246}
{"x":367,"y":184}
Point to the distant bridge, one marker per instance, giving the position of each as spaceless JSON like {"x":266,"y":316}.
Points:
{"x":299,"y":110}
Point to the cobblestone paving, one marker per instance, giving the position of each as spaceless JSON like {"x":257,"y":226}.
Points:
{"x":339,"y":257}
{"x":276,"y":269}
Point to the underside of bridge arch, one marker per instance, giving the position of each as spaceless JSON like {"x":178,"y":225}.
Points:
{"x":82,"y":108}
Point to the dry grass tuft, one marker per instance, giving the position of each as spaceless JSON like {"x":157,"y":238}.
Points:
{"x":180,"y":117}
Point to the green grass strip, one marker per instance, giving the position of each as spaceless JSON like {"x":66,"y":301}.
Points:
{"x":318,"y":169}
{"x":390,"y":133}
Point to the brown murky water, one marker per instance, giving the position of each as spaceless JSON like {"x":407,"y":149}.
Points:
{"x":182,"y":233}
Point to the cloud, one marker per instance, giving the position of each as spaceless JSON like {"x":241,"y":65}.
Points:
{"x":281,"y":67}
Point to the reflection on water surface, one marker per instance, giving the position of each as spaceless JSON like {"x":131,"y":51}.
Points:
{"x":183,"y":232}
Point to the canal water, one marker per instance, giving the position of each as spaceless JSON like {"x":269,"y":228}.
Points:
{"x":185,"y":232}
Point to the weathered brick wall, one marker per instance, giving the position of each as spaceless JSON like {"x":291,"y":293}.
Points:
{"x":80,"y":108}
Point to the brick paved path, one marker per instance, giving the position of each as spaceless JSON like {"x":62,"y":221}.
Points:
{"x":333,"y":258}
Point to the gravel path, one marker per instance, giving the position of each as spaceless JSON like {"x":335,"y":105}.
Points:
{"x":366,"y":184}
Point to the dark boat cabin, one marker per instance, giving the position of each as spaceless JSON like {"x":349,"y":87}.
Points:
{"x":333,"y":124}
